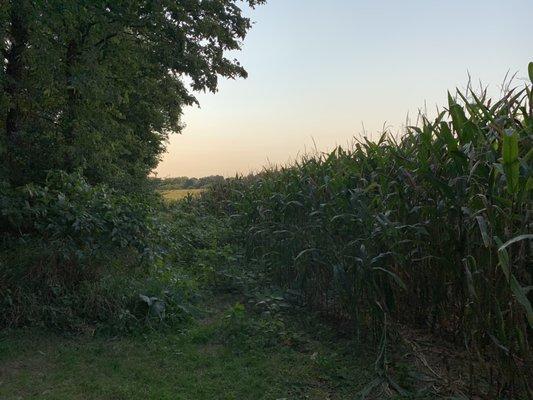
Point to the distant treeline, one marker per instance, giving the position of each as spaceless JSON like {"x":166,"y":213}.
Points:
{"x":184,"y":182}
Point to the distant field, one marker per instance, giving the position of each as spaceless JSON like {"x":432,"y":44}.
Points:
{"x":178,"y":194}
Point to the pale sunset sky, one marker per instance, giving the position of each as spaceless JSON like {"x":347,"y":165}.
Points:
{"x":321,"y":70}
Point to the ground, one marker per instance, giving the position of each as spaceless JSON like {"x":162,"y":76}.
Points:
{"x":228,"y":352}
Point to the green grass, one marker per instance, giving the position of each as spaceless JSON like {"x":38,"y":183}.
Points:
{"x":178,"y":194}
{"x":200,"y":362}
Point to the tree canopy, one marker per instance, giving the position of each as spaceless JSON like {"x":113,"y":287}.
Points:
{"x":96,"y":86}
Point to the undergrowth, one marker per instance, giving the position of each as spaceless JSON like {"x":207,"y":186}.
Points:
{"x":82,"y":258}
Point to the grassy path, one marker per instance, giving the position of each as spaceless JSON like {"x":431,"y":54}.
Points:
{"x":230,"y":353}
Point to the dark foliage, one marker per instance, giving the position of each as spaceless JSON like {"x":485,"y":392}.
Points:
{"x":97,"y":86}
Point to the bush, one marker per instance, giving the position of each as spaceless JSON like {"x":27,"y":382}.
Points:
{"x":65,"y":245}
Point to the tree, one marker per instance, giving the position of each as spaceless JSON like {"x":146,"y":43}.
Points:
{"x":96,"y":86}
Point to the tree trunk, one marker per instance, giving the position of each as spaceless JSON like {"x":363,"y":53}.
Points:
{"x":15,"y":67}
{"x":72,"y":93}
{"x":71,"y":109}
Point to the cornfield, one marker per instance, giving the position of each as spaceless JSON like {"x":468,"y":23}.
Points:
{"x":431,"y":229}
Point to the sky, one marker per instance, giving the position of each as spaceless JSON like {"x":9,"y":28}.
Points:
{"x":322,"y":72}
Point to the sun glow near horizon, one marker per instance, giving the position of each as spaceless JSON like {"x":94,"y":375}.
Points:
{"x":320,"y":74}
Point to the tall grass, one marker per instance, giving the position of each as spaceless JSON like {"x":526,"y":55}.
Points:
{"x":432,"y":229}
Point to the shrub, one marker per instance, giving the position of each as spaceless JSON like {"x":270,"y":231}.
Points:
{"x":62,"y":244}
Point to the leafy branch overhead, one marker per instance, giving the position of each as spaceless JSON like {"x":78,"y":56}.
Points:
{"x":97,"y":86}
